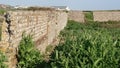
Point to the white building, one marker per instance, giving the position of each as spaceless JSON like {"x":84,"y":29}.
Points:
{"x":19,"y":7}
{"x":61,"y":8}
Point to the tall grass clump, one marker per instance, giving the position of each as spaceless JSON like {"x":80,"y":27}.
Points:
{"x":82,"y":46}
{"x":0,"y":32}
{"x":1,"y":21}
{"x":2,"y":11}
{"x":28,"y":56}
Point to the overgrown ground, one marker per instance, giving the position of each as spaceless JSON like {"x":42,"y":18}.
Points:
{"x":89,"y":45}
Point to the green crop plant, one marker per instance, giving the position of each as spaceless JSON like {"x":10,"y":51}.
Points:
{"x":28,"y":56}
{"x":87,"y":46}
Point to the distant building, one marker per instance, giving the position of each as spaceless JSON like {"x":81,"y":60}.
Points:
{"x":20,"y":7}
{"x":61,"y":8}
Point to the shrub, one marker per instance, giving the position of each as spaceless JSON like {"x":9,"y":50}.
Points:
{"x":28,"y":56}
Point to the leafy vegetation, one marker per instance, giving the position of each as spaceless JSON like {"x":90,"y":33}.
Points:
{"x":87,"y":46}
{"x":28,"y":56}
{"x":2,"y":60}
{"x":2,"y":11}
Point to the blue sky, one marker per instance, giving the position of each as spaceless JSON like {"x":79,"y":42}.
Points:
{"x":73,"y":4}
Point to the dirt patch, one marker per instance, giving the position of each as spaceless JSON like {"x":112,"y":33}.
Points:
{"x":40,"y":41}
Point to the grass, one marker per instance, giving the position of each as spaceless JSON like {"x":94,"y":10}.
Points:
{"x":2,"y":11}
{"x":1,"y":20}
{"x":0,"y":32}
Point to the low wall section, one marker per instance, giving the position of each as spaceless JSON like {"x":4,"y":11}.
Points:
{"x":99,"y":16}
{"x":102,"y":16}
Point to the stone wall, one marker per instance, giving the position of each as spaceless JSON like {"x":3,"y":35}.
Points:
{"x":106,"y":16}
{"x":76,"y":16}
{"x":100,"y":16}
{"x":43,"y":25}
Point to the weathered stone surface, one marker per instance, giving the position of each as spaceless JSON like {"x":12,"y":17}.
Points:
{"x":106,"y":16}
{"x":4,"y":46}
{"x":100,"y":16}
{"x":43,"y":25}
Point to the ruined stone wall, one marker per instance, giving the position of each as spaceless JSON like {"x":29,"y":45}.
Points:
{"x":106,"y":16}
{"x":100,"y":16}
{"x":43,"y":25}
{"x":76,"y":16}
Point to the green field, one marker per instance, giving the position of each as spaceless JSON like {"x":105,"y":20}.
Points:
{"x":93,"y":45}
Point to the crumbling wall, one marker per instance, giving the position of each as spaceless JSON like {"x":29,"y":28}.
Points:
{"x":43,"y":25}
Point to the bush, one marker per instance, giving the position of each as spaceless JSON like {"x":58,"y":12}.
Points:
{"x":28,"y":56}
